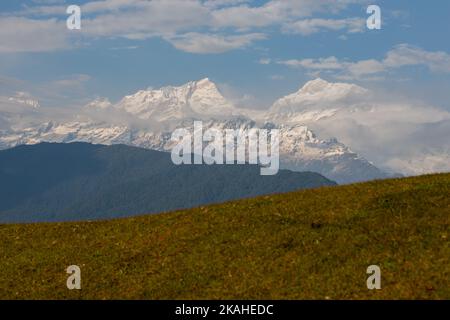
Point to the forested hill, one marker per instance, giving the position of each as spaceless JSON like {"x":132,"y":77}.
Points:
{"x":80,"y":181}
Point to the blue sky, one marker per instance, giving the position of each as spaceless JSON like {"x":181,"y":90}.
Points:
{"x":255,"y":51}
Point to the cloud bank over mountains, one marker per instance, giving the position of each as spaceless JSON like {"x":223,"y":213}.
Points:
{"x":404,"y":136}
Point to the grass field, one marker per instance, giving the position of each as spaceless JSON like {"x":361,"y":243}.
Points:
{"x":313,"y":244}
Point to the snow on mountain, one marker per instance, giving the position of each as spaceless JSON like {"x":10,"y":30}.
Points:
{"x":319,"y":90}
{"x":66,"y":132}
{"x":300,"y":149}
{"x":397,"y":134}
{"x":25,"y":99}
{"x":317,"y":99}
{"x":196,"y":99}
{"x":18,"y":109}
{"x":155,"y":113}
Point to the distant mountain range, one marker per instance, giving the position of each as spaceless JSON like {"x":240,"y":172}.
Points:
{"x":147,"y":118}
{"x":81,"y":181}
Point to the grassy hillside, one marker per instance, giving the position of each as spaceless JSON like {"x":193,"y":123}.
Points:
{"x":307,"y":244}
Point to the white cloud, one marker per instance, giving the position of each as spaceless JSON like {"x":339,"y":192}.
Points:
{"x":406,"y":55}
{"x":244,"y":17}
{"x":19,"y":34}
{"x":224,"y":24}
{"x":400,"y":56}
{"x":264,"y":61}
{"x":224,"y":3}
{"x":112,"y":5}
{"x":48,"y":1}
{"x":310,"y":26}
{"x":276,"y":77}
{"x":43,"y":10}
{"x":365,"y":67}
{"x":330,"y":63}
{"x":275,"y":12}
{"x":152,"y":19}
{"x":212,"y":43}
{"x":125,"y":48}
{"x":76,"y":80}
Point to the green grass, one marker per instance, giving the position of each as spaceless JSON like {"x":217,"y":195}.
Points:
{"x":313,"y":244}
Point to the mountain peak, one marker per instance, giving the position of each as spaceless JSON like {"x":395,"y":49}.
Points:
{"x":199,"y":98}
{"x":205,"y":80}
{"x":319,"y":91}
{"x":204,"y":83}
{"x":315,"y":100}
{"x":320,"y":86}
{"x":315,"y":85}
{"x":317,"y":81}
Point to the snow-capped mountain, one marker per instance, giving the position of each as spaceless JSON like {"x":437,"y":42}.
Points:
{"x":318,"y":91}
{"x":18,"y":109}
{"x":406,"y":137}
{"x":300,"y":149}
{"x":397,"y":134}
{"x":316,"y":100}
{"x":148,"y":117}
{"x":25,"y":100}
{"x":196,"y":99}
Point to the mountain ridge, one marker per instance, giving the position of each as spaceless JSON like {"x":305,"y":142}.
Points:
{"x":170,"y":107}
{"x":80,"y":181}
{"x":300,"y":149}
